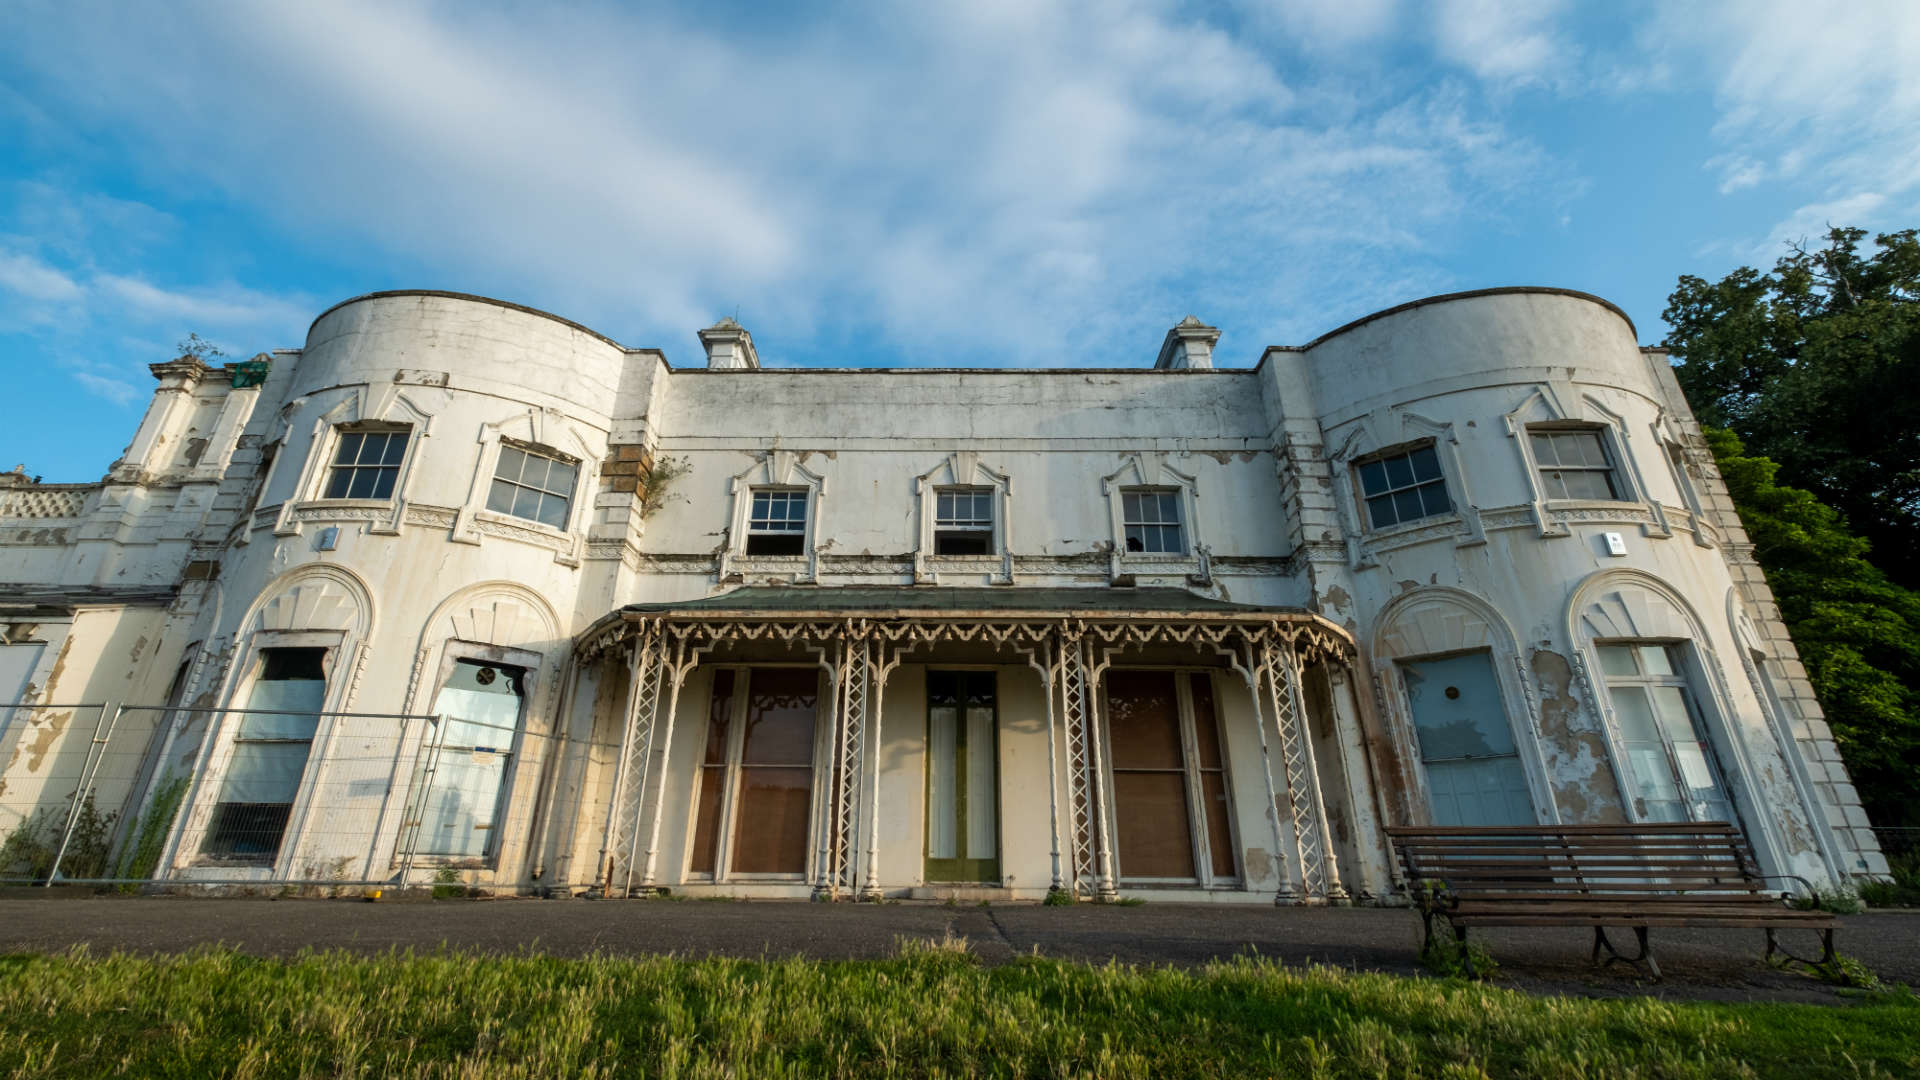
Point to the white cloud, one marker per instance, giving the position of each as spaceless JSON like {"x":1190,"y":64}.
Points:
{"x":118,"y":391}
{"x":28,"y":277}
{"x":227,"y":307}
{"x":1021,"y":182}
{"x":1809,"y":224}
{"x":1500,"y":41}
{"x":1737,"y":172}
{"x":1830,"y":93}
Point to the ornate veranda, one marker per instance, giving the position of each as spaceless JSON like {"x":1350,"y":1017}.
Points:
{"x":1070,"y":637}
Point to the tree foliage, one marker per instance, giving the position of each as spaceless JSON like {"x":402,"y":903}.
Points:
{"x":1816,"y":366}
{"x":1858,"y":632}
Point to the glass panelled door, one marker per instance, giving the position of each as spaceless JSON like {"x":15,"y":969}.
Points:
{"x":480,"y":704}
{"x":1473,"y":769}
{"x":963,"y":778}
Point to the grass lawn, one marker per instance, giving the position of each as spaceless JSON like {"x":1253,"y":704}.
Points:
{"x":931,"y":1011}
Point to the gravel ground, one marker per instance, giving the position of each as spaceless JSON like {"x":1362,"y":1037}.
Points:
{"x":1698,"y":964}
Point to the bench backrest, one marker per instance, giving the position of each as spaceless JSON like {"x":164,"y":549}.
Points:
{"x":1703,"y":860}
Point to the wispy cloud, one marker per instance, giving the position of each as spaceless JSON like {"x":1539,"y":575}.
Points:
{"x":227,"y":307}
{"x":118,"y":391}
{"x":1822,"y":97}
{"x":29,"y":278}
{"x":1503,"y":42}
{"x":1023,"y":182}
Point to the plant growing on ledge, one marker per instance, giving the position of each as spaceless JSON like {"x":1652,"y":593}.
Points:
{"x":656,"y":482}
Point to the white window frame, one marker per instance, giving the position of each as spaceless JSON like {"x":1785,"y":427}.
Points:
{"x":1679,"y":658}
{"x":453,"y":651}
{"x":963,"y":469}
{"x":307,"y":502}
{"x":773,"y":469}
{"x":332,"y":467}
{"x":1615,"y":477}
{"x":822,"y":765}
{"x":1149,"y":469}
{"x":1559,"y":404}
{"x":1204,"y":877}
{"x":1403,"y":450}
{"x":1372,"y":436}
{"x":545,"y":433}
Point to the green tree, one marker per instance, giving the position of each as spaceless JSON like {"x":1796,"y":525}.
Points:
{"x":1816,"y":365}
{"x":1858,"y":632}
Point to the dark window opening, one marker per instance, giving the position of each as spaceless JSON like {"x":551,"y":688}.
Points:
{"x":777,"y":523}
{"x":269,"y":758}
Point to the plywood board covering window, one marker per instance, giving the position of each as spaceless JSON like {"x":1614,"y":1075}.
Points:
{"x":1474,"y":775}
{"x":1170,"y":798}
{"x":759,"y":747}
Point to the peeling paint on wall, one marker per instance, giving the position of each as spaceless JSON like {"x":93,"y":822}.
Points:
{"x":1579,"y":769}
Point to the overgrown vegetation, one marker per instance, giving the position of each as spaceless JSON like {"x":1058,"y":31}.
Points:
{"x":657,"y":482}
{"x":1857,"y":631}
{"x":931,"y":1011}
{"x":30,"y":850}
{"x":142,"y":854}
{"x":1901,"y":889}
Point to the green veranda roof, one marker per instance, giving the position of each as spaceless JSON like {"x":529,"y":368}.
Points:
{"x":907,"y":600}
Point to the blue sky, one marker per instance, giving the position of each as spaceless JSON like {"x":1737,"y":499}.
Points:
{"x":1030,"y":183}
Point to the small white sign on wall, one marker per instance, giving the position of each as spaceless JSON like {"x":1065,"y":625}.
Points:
{"x":1616,"y":543}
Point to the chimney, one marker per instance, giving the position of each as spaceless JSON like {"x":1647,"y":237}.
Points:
{"x":729,"y":345}
{"x":1188,"y":346}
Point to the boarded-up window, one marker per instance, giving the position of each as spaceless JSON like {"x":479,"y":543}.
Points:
{"x":1212,"y":766}
{"x":752,"y":812}
{"x":1473,"y":769}
{"x":1170,"y":800}
{"x":713,"y":776}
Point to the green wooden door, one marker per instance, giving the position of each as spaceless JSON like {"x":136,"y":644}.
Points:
{"x":963,"y":777}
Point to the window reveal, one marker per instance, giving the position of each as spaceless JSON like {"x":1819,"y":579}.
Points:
{"x":1673,"y":774}
{"x":759,"y":748}
{"x":1474,"y":775}
{"x":366,"y":464}
{"x":269,"y":758}
{"x":1170,"y":798}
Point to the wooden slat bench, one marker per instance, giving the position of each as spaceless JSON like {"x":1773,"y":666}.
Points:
{"x":1646,"y":875}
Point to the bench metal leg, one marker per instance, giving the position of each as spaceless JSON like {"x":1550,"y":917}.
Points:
{"x":1826,"y":950}
{"x":1466,"y":954}
{"x":1600,"y":941}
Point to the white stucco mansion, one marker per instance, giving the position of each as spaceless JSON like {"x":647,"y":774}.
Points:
{"x":463,"y":586}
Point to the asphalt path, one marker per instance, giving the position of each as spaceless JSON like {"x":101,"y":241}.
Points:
{"x":1698,"y":964}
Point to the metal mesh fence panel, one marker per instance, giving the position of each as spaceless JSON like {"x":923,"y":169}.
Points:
{"x":46,"y":801}
{"x":150,"y":794}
